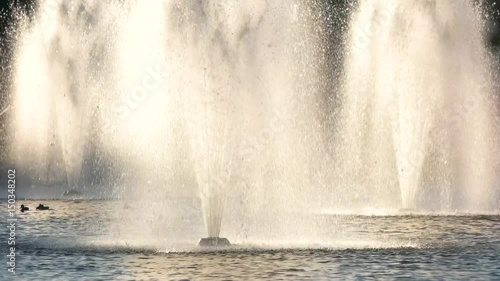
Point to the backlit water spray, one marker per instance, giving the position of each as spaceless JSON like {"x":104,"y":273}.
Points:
{"x":177,"y":106}
{"x":419,"y":113}
{"x":157,"y":101}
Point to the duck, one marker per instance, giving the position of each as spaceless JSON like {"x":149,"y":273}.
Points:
{"x":42,"y":207}
{"x":23,"y":208}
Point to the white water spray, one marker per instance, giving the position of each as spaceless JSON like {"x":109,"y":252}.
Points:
{"x":418,"y":104}
{"x":168,"y":96}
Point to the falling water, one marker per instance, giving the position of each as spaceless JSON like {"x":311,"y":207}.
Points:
{"x":418,"y":105}
{"x":162,"y":101}
{"x":156,"y":101}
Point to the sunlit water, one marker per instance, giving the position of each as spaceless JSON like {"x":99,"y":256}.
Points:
{"x":75,"y":240}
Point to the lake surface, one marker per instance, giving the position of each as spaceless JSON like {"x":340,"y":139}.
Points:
{"x":76,"y":240}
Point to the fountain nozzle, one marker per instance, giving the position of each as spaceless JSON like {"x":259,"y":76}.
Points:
{"x":214,"y":242}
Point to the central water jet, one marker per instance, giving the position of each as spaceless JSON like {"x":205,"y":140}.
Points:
{"x":184,"y":99}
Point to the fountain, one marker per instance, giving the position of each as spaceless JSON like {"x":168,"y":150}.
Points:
{"x":183,"y":99}
{"x":227,"y":107}
{"x":419,"y":109}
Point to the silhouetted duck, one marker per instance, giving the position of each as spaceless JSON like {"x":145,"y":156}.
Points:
{"x":23,"y":208}
{"x":42,"y":207}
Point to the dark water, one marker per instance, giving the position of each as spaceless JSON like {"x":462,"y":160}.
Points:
{"x":72,"y":242}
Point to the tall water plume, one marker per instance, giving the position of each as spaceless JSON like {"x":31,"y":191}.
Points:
{"x":167,"y":99}
{"x":159,"y":102}
{"x":419,"y":112}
